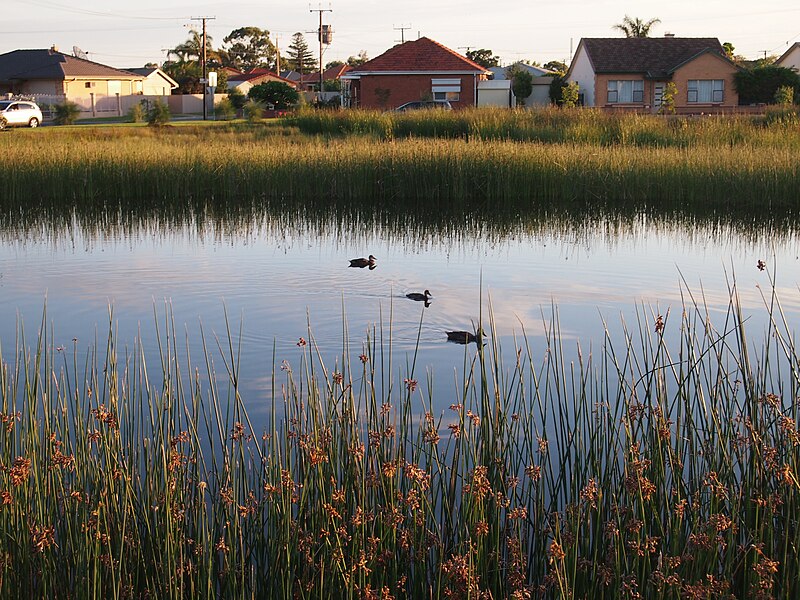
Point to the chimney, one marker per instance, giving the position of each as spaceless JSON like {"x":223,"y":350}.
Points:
{"x":53,"y":48}
{"x":669,"y":35}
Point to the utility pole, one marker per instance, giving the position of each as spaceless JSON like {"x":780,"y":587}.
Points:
{"x":277,"y":57}
{"x":204,"y":58}
{"x":322,"y":37}
{"x":402,"y":30}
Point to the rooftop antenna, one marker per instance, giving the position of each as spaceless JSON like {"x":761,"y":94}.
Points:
{"x":402,"y":30}
{"x":78,"y":53}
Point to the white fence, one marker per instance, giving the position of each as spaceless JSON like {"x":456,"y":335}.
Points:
{"x":97,"y":105}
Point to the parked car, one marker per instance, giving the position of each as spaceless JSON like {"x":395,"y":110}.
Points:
{"x":423,"y":104}
{"x":19,"y":113}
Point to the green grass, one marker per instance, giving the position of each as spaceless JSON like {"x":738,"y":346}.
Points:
{"x":663,"y":463}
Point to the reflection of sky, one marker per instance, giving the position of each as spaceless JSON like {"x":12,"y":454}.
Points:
{"x":274,"y":283}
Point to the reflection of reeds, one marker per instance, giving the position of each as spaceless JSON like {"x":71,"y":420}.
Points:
{"x":663,"y":464}
{"x":185,"y":165}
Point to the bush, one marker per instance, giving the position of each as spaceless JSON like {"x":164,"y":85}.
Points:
{"x":784,"y":116}
{"x":224,"y":110}
{"x":67,"y":113}
{"x":277,"y":93}
{"x":759,"y":85}
{"x":158,"y":114}
{"x":569,"y":95}
{"x":237,"y":98}
{"x":3,"y":122}
{"x":137,"y":113}
{"x":784,"y":95}
{"x":253,"y":111}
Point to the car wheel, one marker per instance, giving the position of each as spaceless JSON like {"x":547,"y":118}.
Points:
{"x":34,"y":122}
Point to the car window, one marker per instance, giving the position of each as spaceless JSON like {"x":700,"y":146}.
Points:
{"x":4,"y":105}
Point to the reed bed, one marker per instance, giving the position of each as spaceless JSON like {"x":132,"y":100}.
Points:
{"x":187,"y":165}
{"x":663,"y":464}
{"x":560,"y":126}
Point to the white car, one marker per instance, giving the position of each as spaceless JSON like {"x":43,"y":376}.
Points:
{"x":19,"y":113}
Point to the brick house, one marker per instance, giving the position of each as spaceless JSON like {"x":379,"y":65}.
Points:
{"x":631,"y":73}
{"x":416,"y":70}
{"x":244,"y":82}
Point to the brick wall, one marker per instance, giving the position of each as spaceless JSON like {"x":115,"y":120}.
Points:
{"x":384,"y":92}
{"x":706,"y":66}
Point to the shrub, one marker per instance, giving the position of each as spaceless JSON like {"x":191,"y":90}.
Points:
{"x":569,"y":95}
{"x":158,"y":114}
{"x":783,"y":116}
{"x":784,"y":95}
{"x":137,"y":112}
{"x":67,"y":113}
{"x":237,"y":98}
{"x":759,"y":85}
{"x":277,"y":93}
{"x":253,"y":111}
{"x":521,"y":84}
{"x":668,"y":99}
{"x":224,"y":110}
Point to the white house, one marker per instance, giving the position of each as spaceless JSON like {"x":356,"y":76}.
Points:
{"x":542,"y":78}
{"x":155,"y":83}
{"x":790,"y":58}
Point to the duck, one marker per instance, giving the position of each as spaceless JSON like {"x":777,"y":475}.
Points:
{"x":465,"y":337}
{"x":417,"y":297}
{"x":363,"y":262}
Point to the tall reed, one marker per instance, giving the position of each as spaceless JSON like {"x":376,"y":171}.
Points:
{"x":663,"y":464}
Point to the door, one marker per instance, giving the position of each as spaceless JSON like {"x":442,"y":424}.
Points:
{"x":658,"y":95}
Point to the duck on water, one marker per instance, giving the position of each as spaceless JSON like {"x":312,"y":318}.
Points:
{"x":465,"y":337}
{"x":364,"y":262}
{"x":417,"y":297}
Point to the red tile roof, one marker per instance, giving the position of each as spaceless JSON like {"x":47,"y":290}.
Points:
{"x":327,"y":75}
{"x":419,"y":55}
{"x":263,"y":74}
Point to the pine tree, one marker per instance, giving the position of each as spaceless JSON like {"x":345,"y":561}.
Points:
{"x":300,"y":57}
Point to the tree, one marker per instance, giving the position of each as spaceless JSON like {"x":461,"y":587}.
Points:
{"x":250,"y":48}
{"x":556,"y":66}
{"x":277,"y":93}
{"x":484,"y":58}
{"x":333,"y":63}
{"x":668,"y":99}
{"x":521,"y":83}
{"x":729,"y":49}
{"x":759,"y":85}
{"x":636,"y":28}
{"x":357,"y":61}
{"x":187,"y":69}
{"x":300,"y":57}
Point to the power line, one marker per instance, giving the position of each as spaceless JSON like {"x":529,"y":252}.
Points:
{"x":94,"y":13}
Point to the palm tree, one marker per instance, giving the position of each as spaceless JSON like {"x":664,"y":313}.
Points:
{"x":636,"y":28}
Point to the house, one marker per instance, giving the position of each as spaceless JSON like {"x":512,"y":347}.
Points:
{"x":541,"y":80}
{"x":245,"y":81}
{"x":632,"y":73}
{"x":156,"y":82}
{"x":412,"y":71}
{"x":791,"y":58}
{"x":58,"y":76}
{"x":309,"y":82}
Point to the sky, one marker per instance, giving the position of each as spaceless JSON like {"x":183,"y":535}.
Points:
{"x":125,"y":34}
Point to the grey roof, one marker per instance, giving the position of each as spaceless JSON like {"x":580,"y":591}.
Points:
{"x":51,"y":64}
{"x":656,"y":57}
{"x":500,"y":72}
{"x":786,"y":54}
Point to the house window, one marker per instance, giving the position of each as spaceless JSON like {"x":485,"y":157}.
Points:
{"x":706,"y":91}
{"x":446,"y":89}
{"x":451,"y":96}
{"x":90,"y":84}
{"x":625,"y":91}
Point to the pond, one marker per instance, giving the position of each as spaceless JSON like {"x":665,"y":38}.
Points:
{"x":275,"y":274}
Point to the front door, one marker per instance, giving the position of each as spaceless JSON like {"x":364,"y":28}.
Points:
{"x":658,"y":95}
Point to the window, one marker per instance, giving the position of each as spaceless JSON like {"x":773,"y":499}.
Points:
{"x":705,"y":91}
{"x":626,"y":91}
{"x":446,"y":89}
{"x":90,"y":84}
{"x":451,"y":96}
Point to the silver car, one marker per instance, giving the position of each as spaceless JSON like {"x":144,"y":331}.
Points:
{"x":19,"y":113}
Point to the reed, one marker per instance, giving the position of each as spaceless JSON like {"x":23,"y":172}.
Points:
{"x":663,"y":465}
{"x":133,"y":166}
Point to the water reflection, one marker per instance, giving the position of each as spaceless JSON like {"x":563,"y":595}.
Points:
{"x":281,"y":272}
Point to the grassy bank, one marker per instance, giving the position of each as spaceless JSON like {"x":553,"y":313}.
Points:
{"x":664,"y":464}
{"x":141,"y":165}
